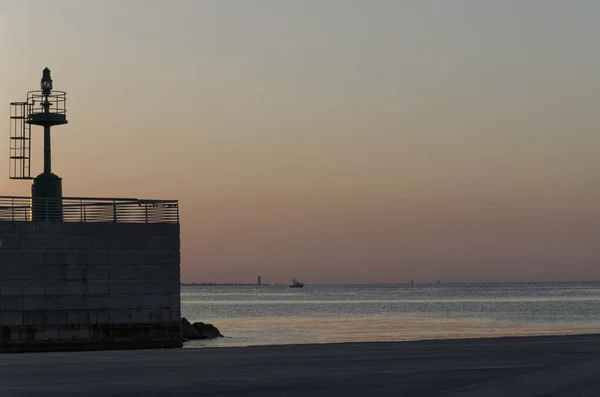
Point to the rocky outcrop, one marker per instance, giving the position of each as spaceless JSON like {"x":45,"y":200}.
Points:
{"x":188,"y":331}
{"x":207,"y":331}
{"x":198,"y":330}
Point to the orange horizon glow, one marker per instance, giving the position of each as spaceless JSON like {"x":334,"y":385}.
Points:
{"x":337,"y":142}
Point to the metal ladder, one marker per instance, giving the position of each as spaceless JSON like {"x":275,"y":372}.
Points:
{"x":20,"y":142}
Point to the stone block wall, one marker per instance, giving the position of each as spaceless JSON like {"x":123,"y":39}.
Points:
{"x":88,"y":286}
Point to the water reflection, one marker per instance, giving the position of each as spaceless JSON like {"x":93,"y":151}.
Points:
{"x":317,"y":314}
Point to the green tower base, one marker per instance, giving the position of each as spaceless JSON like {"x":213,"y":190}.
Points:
{"x":46,"y":194}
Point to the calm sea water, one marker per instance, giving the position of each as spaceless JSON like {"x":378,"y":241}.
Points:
{"x":277,"y":314}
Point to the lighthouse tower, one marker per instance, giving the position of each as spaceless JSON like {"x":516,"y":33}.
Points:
{"x":44,"y":108}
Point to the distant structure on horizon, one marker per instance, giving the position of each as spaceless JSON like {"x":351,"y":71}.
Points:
{"x":259,"y":281}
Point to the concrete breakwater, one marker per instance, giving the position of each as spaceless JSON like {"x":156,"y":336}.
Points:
{"x":78,"y":286}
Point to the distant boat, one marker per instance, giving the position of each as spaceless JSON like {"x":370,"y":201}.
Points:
{"x":296,"y":284}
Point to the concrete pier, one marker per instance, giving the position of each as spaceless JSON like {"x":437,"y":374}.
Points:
{"x":79,"y":286}
{"x":517,"y":367}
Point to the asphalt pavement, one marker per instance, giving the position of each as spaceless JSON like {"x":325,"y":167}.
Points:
{"x":515,"y":367}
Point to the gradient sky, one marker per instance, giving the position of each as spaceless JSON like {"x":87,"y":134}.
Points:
{"x":336,"y":141}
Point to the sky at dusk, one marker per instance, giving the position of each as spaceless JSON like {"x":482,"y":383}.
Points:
{"x":335,"y":141}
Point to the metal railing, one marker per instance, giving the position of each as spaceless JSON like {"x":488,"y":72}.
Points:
{"x":37,"y":99}
{"x":79,"y":209}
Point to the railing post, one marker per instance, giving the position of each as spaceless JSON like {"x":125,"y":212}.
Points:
{"x":12,"y":208}
{"x":80,"y":211}
{"x":115,"y":211}
{"x":146,"y":211}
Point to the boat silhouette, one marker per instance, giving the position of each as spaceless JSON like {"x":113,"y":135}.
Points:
{"x":296,"y":284}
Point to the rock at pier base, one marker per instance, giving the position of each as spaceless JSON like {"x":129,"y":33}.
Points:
{"x":188,"y":331}
{"x":207,"y":331}
{"x":198,"y":330}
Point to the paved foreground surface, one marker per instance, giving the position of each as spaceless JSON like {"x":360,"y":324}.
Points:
{"x":539,"y":366}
